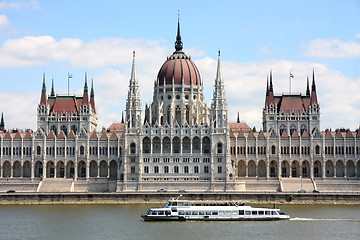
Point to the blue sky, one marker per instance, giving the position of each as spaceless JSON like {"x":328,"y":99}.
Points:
{"x":57,"y":37}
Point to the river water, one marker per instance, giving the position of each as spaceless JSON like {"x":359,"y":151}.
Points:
{"x":124,"y":222}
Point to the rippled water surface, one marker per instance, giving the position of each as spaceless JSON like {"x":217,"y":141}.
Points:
{"x":124,"y":222}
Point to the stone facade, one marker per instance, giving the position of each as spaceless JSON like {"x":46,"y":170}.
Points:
{"x":180,"y":143}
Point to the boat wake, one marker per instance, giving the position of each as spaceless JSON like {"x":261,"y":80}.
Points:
{"x":325,"y":219}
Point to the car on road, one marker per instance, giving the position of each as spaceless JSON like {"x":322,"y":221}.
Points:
{"x":10,"y":191}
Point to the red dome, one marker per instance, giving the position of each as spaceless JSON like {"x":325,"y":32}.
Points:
{"x":178,"y":69}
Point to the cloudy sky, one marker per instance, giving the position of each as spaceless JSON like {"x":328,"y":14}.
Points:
{"x":98,"y":37}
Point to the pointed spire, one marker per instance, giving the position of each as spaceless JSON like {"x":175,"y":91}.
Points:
{"x":271,"y":85}
{"x":313,"y":91}
{"x":307,"y":87}
{"x":133,"y":78}
{"x":122,"y":117}
{"x":43,"y":92}
{"x":52,"y":88}
{"x":271,"y":92}
{"x":92,"y":96}
{"x":238,"y":118}
{"x":218,"y":79}
{"x":178,"y":43}
{"x":85,"y":100}
{"x":2,"y":123}
{"x":267,"y":86}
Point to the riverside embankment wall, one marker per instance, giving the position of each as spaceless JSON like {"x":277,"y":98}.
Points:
{"x":143,"y":198}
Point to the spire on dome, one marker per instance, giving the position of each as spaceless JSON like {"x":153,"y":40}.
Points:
{"x":178,"y":43}
{"x":307,"y":87}
{"x":52,"y":88}
{"x":270,"y":91}
{"x":43,"y":92}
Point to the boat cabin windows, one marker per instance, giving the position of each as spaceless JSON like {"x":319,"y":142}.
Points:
{"x":151,"y":212}
{"x":247,"y":213}
{"x":241,"y":212}
{"x":194,"y":213}
{"x":267,"y":212}
{"x":261,"y":212}
{"x":215,"y":213}
{"x":253,"y":212}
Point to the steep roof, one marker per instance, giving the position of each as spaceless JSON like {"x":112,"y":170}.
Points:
{"x":236,"y":127}
{"x":62,"y":134}
{"x":51,"y":134}
{"x":71,"y":134}
{"x":67,"y":104}
{"x":117,"y":127}
{"x":284,"y":134}
{"x":305,"y":134}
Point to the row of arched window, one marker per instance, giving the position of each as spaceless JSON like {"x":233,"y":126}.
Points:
{"x":341,"y":150}
{"x":178,"y":169}
{"x":176,"y":145}
{"x":26,"y":151}
{"x":249,"y":150}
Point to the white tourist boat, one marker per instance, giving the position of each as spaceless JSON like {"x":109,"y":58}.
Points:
{"x":182,"y":210}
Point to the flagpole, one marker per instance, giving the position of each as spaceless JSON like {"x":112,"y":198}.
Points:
{"x":68,"y":84}
{"x":290,"y":82}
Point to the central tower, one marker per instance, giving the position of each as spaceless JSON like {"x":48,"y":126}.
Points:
{"x":178,"y":97}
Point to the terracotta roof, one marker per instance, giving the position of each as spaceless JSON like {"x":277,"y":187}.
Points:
{"x":103,"y":136}
{"x":28,"y":134}
{"x":251,"y":134}
{"x":51,"y":134}
{"x":7,"y":135}
{"x":239,"y":127}
{"x":67,"y":104}
{"x":62,"y":134}
{"x":117,"y":127}
{"x":241,"y":134}
{"x":113,"y":135}
{"x":349,"y":134}
{"x":232,"y":134}
{"x":284,"y":134}
{"x":71,"y":134}
{"x":178,"y":69}
{"x":338,"y":133}
{"x":17,"y":135}
{"x":291,"y":103}
{"x":328,"y":134}
{"x":294,"y":134}
{"x":305,"y":134}
{"x":94,"y":135}
{"x":261,"y":134}
{"x":358,"y":133}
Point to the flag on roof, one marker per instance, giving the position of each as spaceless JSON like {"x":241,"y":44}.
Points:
{"x":69,"y":75}
{"x":281,"y":203}
{"x":291,"y":75}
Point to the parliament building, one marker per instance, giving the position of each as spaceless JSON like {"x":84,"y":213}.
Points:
{"x":178,"y":142}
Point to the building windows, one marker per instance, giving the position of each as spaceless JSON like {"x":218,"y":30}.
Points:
{"x":166,"y":145}
{"x":186,"y":145}
{"x":176,"y":169}
{"x":133,"y":148}
{"x":282,"y":129}
{"x":146,"y":169}
{"x":156,"y":169}
{"x":219,"y":169}
{"x":196,"y":145}
{"x":166,"y":169}
{"x":132,"y":169}
{"x":176,"y":145}
{"x":186,"y":169}
{"x":206,"y":169}
{"x":156,"y":145}
{"x":196,"y":169}
{"x":146,"y":145}
{"x":303,"y":128}
{"x":292,"y":129}
{"x":317,"y":149}
{"x":206,"y":159}
{"x":38,"y":150}
{"x":219,"y":159}
{"x":206,"y":145}
{"x":219,"y":148}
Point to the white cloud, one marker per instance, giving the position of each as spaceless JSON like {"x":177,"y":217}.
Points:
{"x":17,"y":5}
{"x":357,"y":36}
{"x":4,"y":21}
{"x":333,"y":48}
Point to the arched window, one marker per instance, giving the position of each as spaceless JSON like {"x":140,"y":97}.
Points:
{"x":53,"y":128}
{"x":38,"y":150}
{"x":156,"y":145}
{"x":282,"y":129}
{"x":146,"y":145}
{"x":292,"y":129}
{"x":187,"y":114}
{"x":146,"y":169}
{"x":63,"y":128}
{"x":186,"y":145}
{"x":74,"y":128}
{"x":82,"y":150}
{"x":176,"y":169}
{"x":178,"y":115}
{"x":176,"y":145}
{"x":219,"y":147}
{"x":133,"y":148}
{"x":166,"y":169}
{"x":166,"y":145}
{"x":196,"y":169}
{"x":168,"y":115}
{"x":186,"y":169}
{"x":317,"y":149}
{"x":156,"y":169}
{"x":196,"y":145}
{"x":303,"y":128}
{"x":273,"y":149}
{"x":206,"y":145}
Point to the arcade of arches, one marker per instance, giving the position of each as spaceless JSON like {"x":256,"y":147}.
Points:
{"x":60,"y":169}
{"x":286,"y":169}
